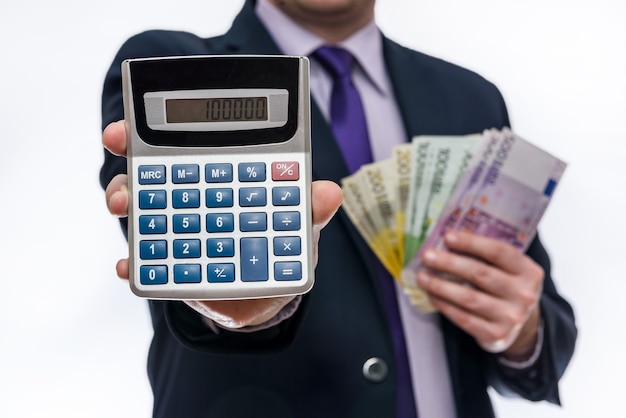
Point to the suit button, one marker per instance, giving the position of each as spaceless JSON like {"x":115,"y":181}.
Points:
{"x":375,"y":370}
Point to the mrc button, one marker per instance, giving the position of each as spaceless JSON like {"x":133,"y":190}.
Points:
{"x":151,"y":174}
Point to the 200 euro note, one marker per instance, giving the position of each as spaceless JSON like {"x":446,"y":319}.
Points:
{"x":378,"y":180}
{"x":505,"y":201}
{"x":365,"y":214}
{"x":401,"y":161}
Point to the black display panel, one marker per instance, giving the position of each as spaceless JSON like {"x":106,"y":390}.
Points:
{"x":197,"y":73}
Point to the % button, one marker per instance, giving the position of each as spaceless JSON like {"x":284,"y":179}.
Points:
{"x":285,"y":171}
{"x":252,"y":172}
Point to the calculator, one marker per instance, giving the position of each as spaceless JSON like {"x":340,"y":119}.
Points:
{"x":219,"y":168}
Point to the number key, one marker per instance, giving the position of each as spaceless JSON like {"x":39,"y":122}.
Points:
{"x":219,"y":198}
{"x":186,"y":248}
{"x":152,"y":199}
{"x":220,"y":247}
{"x":156,"y":224}
{"x":186,"y":198}
{"x":184,"y":224}
{"x":220,"y":222}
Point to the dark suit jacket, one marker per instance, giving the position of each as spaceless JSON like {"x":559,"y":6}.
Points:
{"x":311,"y":365}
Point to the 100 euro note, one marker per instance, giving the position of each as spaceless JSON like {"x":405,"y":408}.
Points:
{"x":440,"y":161}
{"x":503,"y":196}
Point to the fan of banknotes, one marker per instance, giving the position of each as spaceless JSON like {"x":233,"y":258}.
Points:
{"x":493,"y":183}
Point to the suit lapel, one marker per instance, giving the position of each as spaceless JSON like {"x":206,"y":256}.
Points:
{"x":422,"y":109}
{"x":328,"y":164}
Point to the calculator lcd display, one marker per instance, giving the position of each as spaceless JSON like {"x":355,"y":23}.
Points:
{"x":218,"y":109}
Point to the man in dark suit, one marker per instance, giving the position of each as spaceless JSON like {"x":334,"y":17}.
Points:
{"x":336,"y":351}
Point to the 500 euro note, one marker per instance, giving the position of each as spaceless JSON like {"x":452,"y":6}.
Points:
{"x":503,"y":196}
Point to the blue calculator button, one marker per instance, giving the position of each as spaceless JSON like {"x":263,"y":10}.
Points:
{"x":286,"y":196}
{"x":252,"y":172}
{"x":252,"y":196}
{"x":220,"y":272}
{"x":186,"y":198}
{"x":287,"y":246}
{"x":151,"y":174}
{"x":152,"y":199}
{"x":152,"y":224}
{"x":186,"y":224}
{"x":218,"y":173}
{"x":153,"y":250}
{"x":220,"y":247}
{"x":153,"y":275}
{"x":220,"y":222}
{"x":253,"y":221}
{"x":185,"y":173}
{"x":286,"y":221}
{"x":287,"y":270}
{"x":187,"y":273}
{"x":187,"y":248}
{"x":219,"y":198}
{"x":253,"y":259}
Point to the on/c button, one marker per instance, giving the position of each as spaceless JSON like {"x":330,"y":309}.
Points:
{"x":285,"y":171}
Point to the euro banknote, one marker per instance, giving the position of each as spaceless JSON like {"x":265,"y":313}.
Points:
{"x":493,"y":183}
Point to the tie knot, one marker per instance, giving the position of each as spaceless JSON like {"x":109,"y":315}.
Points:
{"x":337,"y":61}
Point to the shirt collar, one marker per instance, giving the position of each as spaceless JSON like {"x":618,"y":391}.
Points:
{"x":365,"y":45}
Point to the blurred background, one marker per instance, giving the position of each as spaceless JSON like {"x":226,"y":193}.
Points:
{"x":73,"y":340}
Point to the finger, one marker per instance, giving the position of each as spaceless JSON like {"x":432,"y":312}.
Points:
{"x":117,"y":195}
{"x":114,"y":138}
{"x":484,"y":276}
{"x":496,"y":252}
{"x":492,"y":336}
{"x":467,"y":298}
{"x":326,"y":198}
{"x":122,"y":268}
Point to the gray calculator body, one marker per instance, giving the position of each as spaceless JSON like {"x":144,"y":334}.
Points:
{"x":219,"y":167}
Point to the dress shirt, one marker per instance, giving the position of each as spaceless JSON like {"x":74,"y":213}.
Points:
{"x":428,"y":364}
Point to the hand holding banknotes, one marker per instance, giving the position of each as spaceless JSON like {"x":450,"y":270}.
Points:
{"x":499,"y":308}
{"x":450,"y":217}
{"x":326,"y":198}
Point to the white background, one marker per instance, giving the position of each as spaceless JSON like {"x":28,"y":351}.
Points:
{"x":73,"y":341}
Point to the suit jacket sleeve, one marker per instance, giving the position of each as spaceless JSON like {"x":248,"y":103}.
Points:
{"x":539,"y":381}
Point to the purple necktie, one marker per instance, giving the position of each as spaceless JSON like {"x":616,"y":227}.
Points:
{"x":347,"y":120}
{"x":346,"y":109}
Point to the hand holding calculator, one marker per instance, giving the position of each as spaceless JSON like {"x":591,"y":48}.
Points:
{"x":219,"y":177}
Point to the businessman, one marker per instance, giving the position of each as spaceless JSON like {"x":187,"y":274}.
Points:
{"x":353,"y":346}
